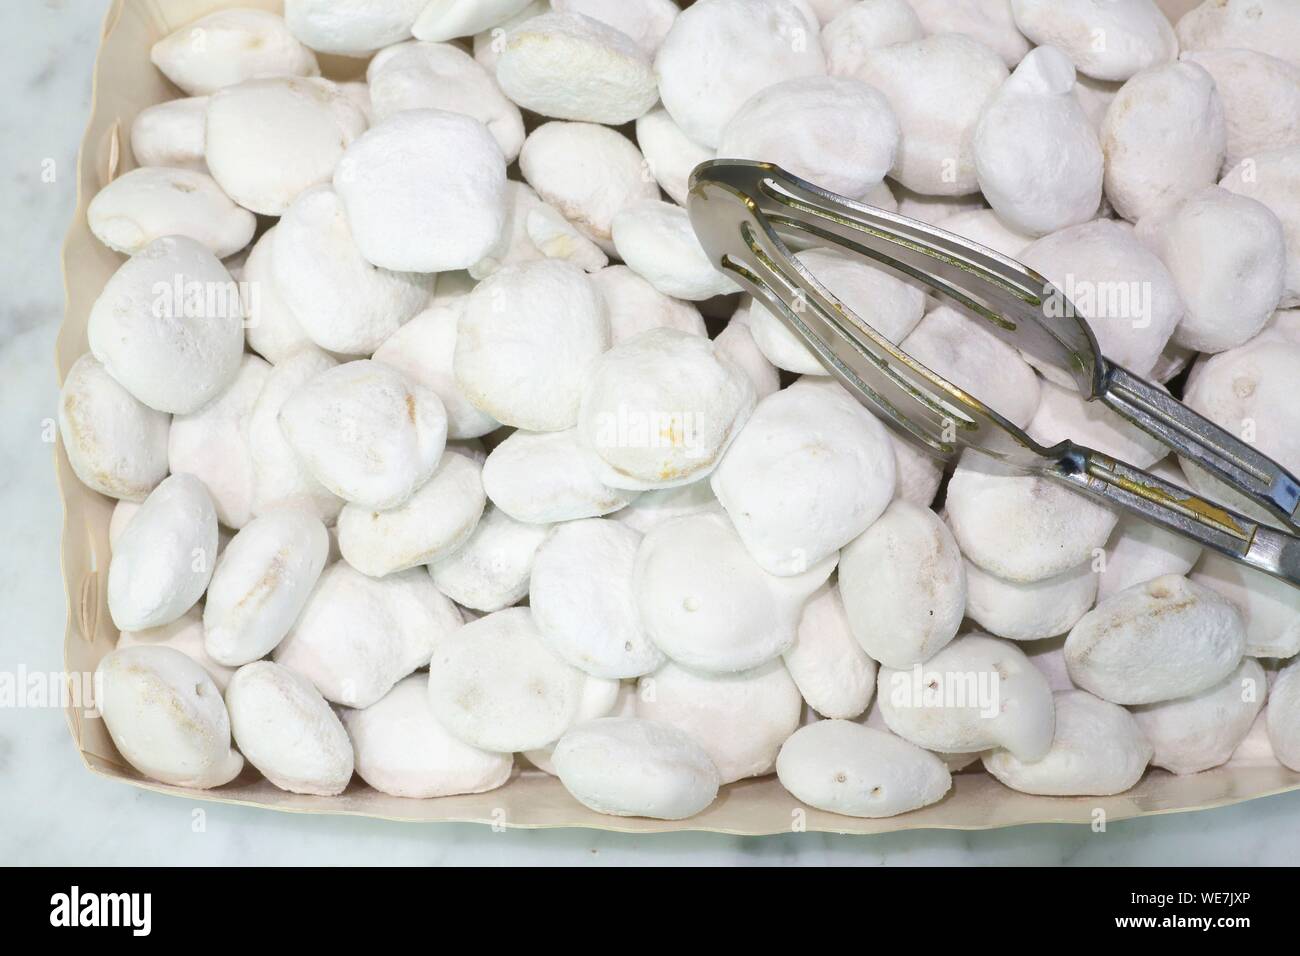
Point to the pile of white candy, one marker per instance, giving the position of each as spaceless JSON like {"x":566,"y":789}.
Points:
{"x":443,"y":428}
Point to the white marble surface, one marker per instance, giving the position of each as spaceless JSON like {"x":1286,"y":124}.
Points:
{"x":54,"y":811}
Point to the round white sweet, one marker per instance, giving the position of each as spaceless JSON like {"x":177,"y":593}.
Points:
{"x":288,"y":731}
{"x":436,"y":520}
{"x":1164,"y":138}
{"x":670,"y":154}
{"x":351,"y":27}
{"x":706,"y":603}
{"x":812,"y":435}
{"x":366,"y":432}
{"x":490,"y":571}
{"x":991,"y":22}
{"x":1099,"y":749}
{"x":582,"y":599}
{"x":402,"y":750}
{"x":357,"y":636}
{"x":736,"y":342}
{"x":1261,"y":98}
{"x":270,"y":139}
{"x":719,"y":53}
{"x":741,"y":720}
{"x":633,"y":305}
{"x":229,"y":46}
{"x":661,"y":408}
{"x":147,"y":203}
{"x":424,"y":191}
{"x":1029,"y":611}
{"x":844,"y":767}
{"x":164,"y":557}
{"x":628,"y":767}
{"x":166,"y":717}
{"x":1271,"y":608}
{"x":903,"y":585}
{"x":271,"y":328}
{"x":115,"y":444}
{"x":171,"y":133}
{"x":867,"y":25}
{"x":645,"y":21}
{"x":651,"y":508}
{"x":168,"y":325}
{"x":657,"y":242}
{"x":834,"y":675}
{"x":1273,"y":178}
{"x":937,"y":88}
{"x":261,"y":583}
{"x":1156,"y":641}
{"x":546,"y":477}
{"x":1108,"y":41}
{"x":340,"y":300}
{"x":1267,"y":26}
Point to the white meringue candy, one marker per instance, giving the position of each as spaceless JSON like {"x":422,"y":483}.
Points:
{"x":834,"y":675}
{"x":261,"y":582}
{"x":402,"y":750}
{"x":546,"y":477}
{"x":837,"y":132}
{"x":847,"y":768}
{"x":886,"y":303}
{"x":527,"y":341}
{"x":706,"y":603}
{"x":937,"y":88}
{"x":212,"y":444}
{"x":164,"y":558}
{"x":651,"y":508}
{"x":1267,"y":26}
{"x":1273,"y":178}
{"x":424,"y":350}
{"x":1227,"y":256}
{"x":1261,"y":99}
{"x":571,"y":66}
{"x":1099,"y":749}
{"x":351,"y":27}
{"x":1022,"y":528}
{"x":166,"y":717}
{"x":600,"y":698}
{"x":719,"y":53}
{"x":1114,"y":282}
{"x":448,"y":19}
{"x":171,"y":133}
{"x":739,"y":719}
{"x":152,"y":201}
{"x":1271,"y":608}
{"x":229,"y":46}
{"x":430,"y":525}
{"x":1139,"y":551}
{"x":581,"y":597}
{"x":341,"y":301}
{"x":496,"y":685}
{"x":533,"y":230}
{"x":442,"y":76}
{"x":1156,"y":641}
{"x":1037,"y":156}
{"x":661,"y":408}
{"x":867,"y":25}
{"x":185,"y":634}
{"x":116,"y":444}
{"x":288,"y":731}
{"x":270,"y":139}
{"x":490,"y":571}
{"x":366,"y":432}
{"x":645,"y":21}
{"x":1283,"y":720}
{"x":627,"y":767}
{"x":1029,"y":611}
{"x":812,"y":435}
{"x":991,"y":22}
{"x":903,"y":585}
{"x":670,"y":154}
{"x":1164,"y":138}
{"x":736,"y":342}
{"x":657,"y":242}
{"x":168,"y":325}
{"x":1107,"y":41}
{"x":280,"y":478}
{"x":424,"y":191}
{"x":1063,"y":414}
{"x":975,"y":694}
{"x":271,"y":328}
{"x":357,"y":636}
{"x":1201,"y":731}
{"x":633,"y":305}
{"x":588,"y":172}
{"x":919,"y":473}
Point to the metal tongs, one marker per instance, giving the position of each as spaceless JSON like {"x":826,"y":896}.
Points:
{"x":744,"y":213}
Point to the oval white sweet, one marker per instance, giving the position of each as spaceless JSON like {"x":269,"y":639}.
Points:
{"x":628,"y":767}
{"x":844,"y":767}
{"x":545,"y":477}
{"x":229,"y":46}
{"x":490,"y":571}
{"x":1033,"y":610}
{"x":834,"y":675}
{"x":166,"y":717}
{"x":1271,"y":608}
{"x":670,"y":154}
{"x":147,"y":203}
{"x":1137,"y":33}
{"x":288,"y":731}
{"x":185,"y":634}
{"x":351,"y":27}
{"x":657,"y":242}
{"x":171,"y":133}
{"x":633,"y":305}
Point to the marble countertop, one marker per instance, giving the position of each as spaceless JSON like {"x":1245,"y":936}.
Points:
{"x":53,"y":811}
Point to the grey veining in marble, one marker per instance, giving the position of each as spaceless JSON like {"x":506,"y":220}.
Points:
{"x":54,"y":811}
